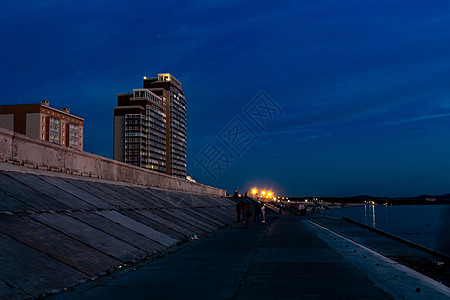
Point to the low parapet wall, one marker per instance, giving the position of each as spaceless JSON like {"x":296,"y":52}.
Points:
{"x":19,"y":149}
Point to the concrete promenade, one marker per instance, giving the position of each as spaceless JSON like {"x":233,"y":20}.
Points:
{"x":286,"y":258}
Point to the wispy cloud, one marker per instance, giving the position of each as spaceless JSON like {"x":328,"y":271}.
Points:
{"x":317,"y":136}
{"x":415,"y":119}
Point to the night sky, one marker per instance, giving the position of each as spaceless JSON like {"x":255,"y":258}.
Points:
{"x":353,"y":96}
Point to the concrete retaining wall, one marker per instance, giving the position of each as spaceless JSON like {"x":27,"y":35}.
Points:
{"x":19,"y":149}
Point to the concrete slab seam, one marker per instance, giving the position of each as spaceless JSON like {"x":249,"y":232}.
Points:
{"x":250,"y":264}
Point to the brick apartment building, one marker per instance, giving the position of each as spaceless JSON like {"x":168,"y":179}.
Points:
{"x":40,"y":121}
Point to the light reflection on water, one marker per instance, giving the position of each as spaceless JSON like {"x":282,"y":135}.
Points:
{"x":426,"y":225}
{"x":369,"y":215}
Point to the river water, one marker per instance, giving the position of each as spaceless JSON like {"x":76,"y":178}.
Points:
{"x":426,"y":225}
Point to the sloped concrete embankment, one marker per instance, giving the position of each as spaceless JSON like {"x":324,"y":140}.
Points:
{"x":57,"y":231}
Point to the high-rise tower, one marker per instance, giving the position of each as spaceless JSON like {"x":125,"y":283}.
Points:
{"x":150,"y":126}
{"x":140,"y":130}
{"x":169,"y":89}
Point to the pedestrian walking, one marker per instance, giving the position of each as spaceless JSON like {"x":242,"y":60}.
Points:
{"x":248,"y":215}
{"x":257,"y":212}
{"x":263,"y":213}
{"x":239,"y":208}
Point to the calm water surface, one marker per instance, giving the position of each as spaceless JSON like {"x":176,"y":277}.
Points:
{"x":426,"y":225}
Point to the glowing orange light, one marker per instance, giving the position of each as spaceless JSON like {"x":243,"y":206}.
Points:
{"x":263,"y":193}
{"x":254,"y":191}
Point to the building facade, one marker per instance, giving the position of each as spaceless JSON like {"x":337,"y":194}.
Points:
{"x":169,"y":89}
{"x":140,"y":130}
{"x":40,"y":121}
{"x":165,"y":90}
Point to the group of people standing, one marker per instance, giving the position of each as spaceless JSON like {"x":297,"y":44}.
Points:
{"x":249,"y":212}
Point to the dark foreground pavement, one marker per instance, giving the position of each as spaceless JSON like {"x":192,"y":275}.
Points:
{"x":285,"y":258}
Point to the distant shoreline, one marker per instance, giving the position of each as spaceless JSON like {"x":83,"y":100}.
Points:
{"x":361,"y":200}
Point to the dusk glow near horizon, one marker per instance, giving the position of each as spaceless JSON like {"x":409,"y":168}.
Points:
{"x":309,"y":98}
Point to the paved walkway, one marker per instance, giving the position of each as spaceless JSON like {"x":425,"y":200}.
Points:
{"x":285,"y":258}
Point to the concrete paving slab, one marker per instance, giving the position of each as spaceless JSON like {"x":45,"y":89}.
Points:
{"x":177,"y":220}
{"x":187,"y":217}
{"x":162,"y":197}
{"x":239,"y":262}
{"x":129,"y":236}
{"x":156,"y":198}
{"x":148,"y":232}
{"x":124,"y":196}
{"x":170,"y":199}
{"x":292,"y":254}
{"x":91,"y":236}
{"x":54,"y":192}
{"x":139,"y":216}
{"x":179,"y":279}
{"x":68,"y":187}
{"x":56,"y":245}
{"x":136,"y":195}
{"x":29,"y":272}
{"x":95,"y":189}
{"x":28,"y":195}
{"x":307,"y":287}
{"x":184,"y":199}
{"x":220,"y":201}
{"x":113,"y":196}
{"x":193,"y":200}
{"x":228,"y":215}
{"x":11,"y":204}
{"x":151,"y":292}
{"x":204,"y":216}
{"x":224,"y":213}
{"x":209,"y":201}
{"x":10,"y":292}
{"x":180,"y":229}
{"x":293,"y":267}
{"x":219,"y":214}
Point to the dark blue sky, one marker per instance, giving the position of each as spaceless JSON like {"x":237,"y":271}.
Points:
{"x":363,"y":86}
